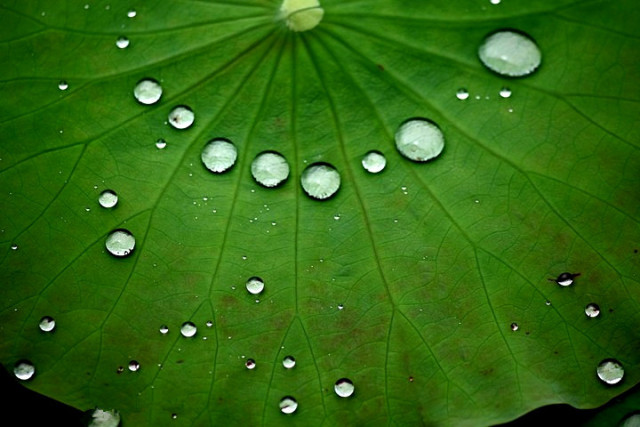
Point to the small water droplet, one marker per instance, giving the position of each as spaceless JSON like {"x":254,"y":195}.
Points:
{"x":100,"y":417}
{"x":108,"y":199}
{"x":495,"y":1}
{"x":419,"y":140}
{"x":174,"y":416}
{"x":289,"y":362}
{"x":120,"y":243}
{"x":510,"y":53}
{"x":336,"y":217}
{"x":209,"y":323}
{"x":164,"y":329}
{"x":14,"y":247}
{"x":288,"y":405}
{"x":120,"y":369}
{"x":63,"y":85}
{"x":147,"y":91}
{"x":250,"y":364}
{"x":565,"y":279}
{"x":24,"y":370}
{"x":340,"y":307}
{"x":462,"y":94}
{"x":188,"y":329}
{"x":320,"y":181}
{"x":86,"y":7}
{"x":161,"y":143}
{"x":218,"y":155}
{"x":47,"y":324}
{"x":134,"y":366}
{"x":505,"y":92}
{"x":255,"y":285}
{"x":547,"y":302}
{"x":592,"y":310}
{"x":181,"y":117}
{"x":344,"y":387}
{"x":514,"y":326}
{"x":122,"y":42}
{"x":374,"y":161}
{"x":610,"y":371}
{"x":132,"y":13}
{"x":270,"y":169}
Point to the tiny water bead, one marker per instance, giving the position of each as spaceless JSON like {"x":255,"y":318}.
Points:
{"x":120,"y":243}
{"x":289,"y":362}
{"x":164,"y":329}
{"x":181,"y":117}
{"x":462,"y":94}
{"x":288,"y":405}
{"x":147,"y":91}
{"x":301,"y":15}
{"x":320,"y":181}
{"x":565,"y":279}
{"x":514,"y":326}
{"x":270,"y":169}
{"x":374,"y":161}
{"x":218,"y":155}
{"x":255,"y":285}
{"x":131,"y":13}
{"x":344,"y":387}
{"x":592,"y":310}
{"x":108,"y":199}
{"x":122,"y":42}
{"x":610,"y":371}
{"x":24,"y":370}
{"x":250,"y":364}
{"x":419,"y":140}
{"x":161,"y":144}
{"x":14,"y":247}
{"x":188,"y":329}
{"x":63,"y":85}
{"x":209,"y":323}
{"x":134,"y":366}
{"x":505,"y":92}
{"x":510,"y":53}
{"x":47,"y":324}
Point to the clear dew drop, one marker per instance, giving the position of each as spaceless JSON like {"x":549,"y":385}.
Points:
{"x":255,"y":285}
{"x":631,"y":420}
{"x":320,"y":181}
{"x":24,"y":370}
{"x":134,"y":366}
{"x":462,"y":94}
{"x":592,"y":310}
{"x":565,"y":279}
{"x":120,"y":243}
{"x":514,"y":326}
{"x":610,"y":371}
{"x":14,"y":247}
{"x":47,"y":324}
{"x":374,"y":161}
{"x":505,"y":92}
{"x":161,"y":144}
{"x":510,"y":53}
{"x":102,"y":418}
{"x":132,"y":13}
{"x":147,"y":91}
{"x":181,"y":117}
{"x":188,"y":329}
{"x":122,"y":42}
{"x":108,"y":199}
{"x":218,"y":155}
{"x":164,"y":329}
{"x":289,"y":362}
{"x":495,"y":1}
{"x":288,"y":405}
{"x":301,"y":15}
{"x":270,"y":169}
{"x":340,"y":306}
{"x":209,"y":323}
{"x":63,"y":85}
{"x":344,"y":387}
{"x":419,"y":140}
{"x":250,"y":364}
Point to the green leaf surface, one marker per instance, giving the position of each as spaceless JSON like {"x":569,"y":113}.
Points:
{"x":406,"y":282}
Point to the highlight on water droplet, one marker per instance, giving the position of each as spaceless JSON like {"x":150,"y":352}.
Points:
{"x":188,"y":329}
{"x":510,"y":53}
{"x":374,"y":161}
{"x":565,"y":279}
{"x":592,"y":310}
{"x":164,"y":329}
{"x":122,"y":42}
{"x":289,"y":362}
{"x":147,"y":91}
{"x":514,"y":326}
{"x":250,"y":364}
{"x":131,"y":13}
{"x":344,"y":387}
{"x":102,"y":418}
{"x":209,"y":323}
{"x":419,"y":140}
{"x":63,"y":85}
{"x":610,"y":371}
{"x":14,"y":247}
{"x":301,"y":15}
{"x":631,"y":420}
{"x":505,"y":92}
{"x":181,"y":117}
{"x":120,"y":243}
{"x":320,"y":181}
{"x":161,"y":144}
{"x":134,"y":366}
{"x":288,"y":405}
{"x":108,"y":199}
{"x":462,"y":94}
{"x":47,"y":324}
{"x":255,"y":285}
{"x":218,"y":155}
{"x":24,"y":370}
{"x":270,"y":169}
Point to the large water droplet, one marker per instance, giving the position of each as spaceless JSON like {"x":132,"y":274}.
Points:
{"x":320,"y":181}
{"x":510,"y":53}
{"x":120,"y":243}
{"x":250,"y":364}
{"x":147,"y":91}
{"x":188,"y":329}
{"x":122,"y":42}
{"x":462,"y":94}
{"x":592,"y":310}
{"x":63,"y":85}
{"x":288,"y":405}
{"x":301,"y":15}
{"x":108,"y":199}
{"x":134,"y":366}
{"x":374,"y":161}
{"x":181,"y":117}
{"x":631,"y":420}
{"x":218,"y":155}
{"x":255,"y":285}
{"x":47,"y":324}
{"x":419,"y":140}
{"x":270,"y":169}
{"x":610,"y":371}
{"x":289,"y":362}
{"x":24,"y":370}
{"x":102,"y":418}
{"x":344,"y":387}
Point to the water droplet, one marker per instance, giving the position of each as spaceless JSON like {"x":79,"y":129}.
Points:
{"x":147,"y":91}
{"x":255,"y":285}
{"x":631,"y":420}
{"x":250,"y":364}
{"x":344,"y":387}
{"x":108,"y":199}
{"x":505,"y":92}
{"x":120,"y":243}
{"x":301,"y":15}
{"x":514,"y":326}
{"x":270,"y":169}
{"x":320,"y":180}
{"x":610,"y":371}
{"x":336,"y":217}
{"x":181,"y":117}
{"x":592,"y":310}
{"x":47,"y":324}
{"x":134,"y":365}
{"x":161,"y":143}
{"x":164,"y":329}
{"x":289,"y":362}
{"x":131,"y":13}
{"x":495,"y":1}
{"x":288,"y":405}
{"x":510,"y":53}
{"x":14,"y":247}
{"x":63,"y":85}
{"x":419,"y":140}
{"x":99,"y":417}
{"x":122,"y":42}
{"x":374,"y":161}
{"x":86,"y":7}
{"x":24,"y":370}
{"x":565,"y":279}
{"x":188,"y":329}
{"x":209,"y":323}
{"x":340,"y":307}
{"x":218,"y":155}
{"x":547,"y":302}
{"x":462,"y":94}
